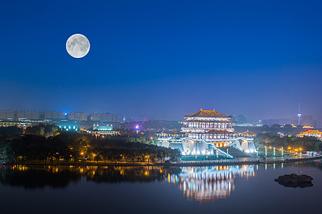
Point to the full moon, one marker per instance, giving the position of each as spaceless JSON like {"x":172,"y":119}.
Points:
{"x":77,"y":45}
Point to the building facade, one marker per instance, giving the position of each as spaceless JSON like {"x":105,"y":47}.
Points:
{"x":208,"y":133}
{"x":104,"y":117}
{"x":208,"y":125}
{"x":77,"y":116}
{"x":311,"y":133}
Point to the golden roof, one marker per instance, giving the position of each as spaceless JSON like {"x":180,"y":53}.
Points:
{"x":311,"y":132}
{"x":206,"y":113}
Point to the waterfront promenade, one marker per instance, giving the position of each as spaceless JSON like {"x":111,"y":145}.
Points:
{"x":235,"y":161}
{"x":242,"y":161}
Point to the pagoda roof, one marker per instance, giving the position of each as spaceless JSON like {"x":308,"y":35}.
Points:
{"x":206,"y":113}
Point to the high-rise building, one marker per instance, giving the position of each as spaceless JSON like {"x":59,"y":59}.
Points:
{"x":52,"y":115}
{"x":77,"y":116}
{"x":29,"y":115}
{"x":299,"y":116}
{"x":104,"y":117}
{"x":7,"y":115}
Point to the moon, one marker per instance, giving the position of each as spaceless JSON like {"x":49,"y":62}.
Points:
{"x":77,"y":45}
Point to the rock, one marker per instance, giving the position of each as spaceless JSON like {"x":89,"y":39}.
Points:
{"x":294,"y":180}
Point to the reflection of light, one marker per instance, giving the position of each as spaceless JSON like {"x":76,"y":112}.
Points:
{"x":209,"y":183}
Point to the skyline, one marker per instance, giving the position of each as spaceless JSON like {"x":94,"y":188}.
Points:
{"x":163,"y":59}
{"x":12,"y":115}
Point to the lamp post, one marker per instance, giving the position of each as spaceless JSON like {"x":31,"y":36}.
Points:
{"x":282,"y":151}
{"x":274,"y":151}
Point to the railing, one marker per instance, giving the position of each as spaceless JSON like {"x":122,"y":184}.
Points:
{"x":251,"y":160}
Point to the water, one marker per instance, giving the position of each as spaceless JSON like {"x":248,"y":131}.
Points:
{"x":226,"y":189}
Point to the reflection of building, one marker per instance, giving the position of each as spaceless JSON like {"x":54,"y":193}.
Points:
{"x":208,"y":133}
{"x":209,"y":183}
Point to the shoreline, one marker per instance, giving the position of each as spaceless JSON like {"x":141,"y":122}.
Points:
{"x":225,"y":162}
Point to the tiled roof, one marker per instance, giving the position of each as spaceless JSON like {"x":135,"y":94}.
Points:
{"x":206,"y":113}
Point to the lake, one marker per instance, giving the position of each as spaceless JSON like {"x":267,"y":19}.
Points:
{"x":215,"y":189}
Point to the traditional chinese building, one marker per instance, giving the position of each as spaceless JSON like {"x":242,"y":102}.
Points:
{"x":311,"y":133}
{"x":208,"y":133}
{"x":210,"y":126}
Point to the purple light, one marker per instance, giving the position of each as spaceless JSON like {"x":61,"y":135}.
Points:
{"x":137,"y":126}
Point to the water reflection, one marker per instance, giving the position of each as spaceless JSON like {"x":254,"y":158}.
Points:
{"x":196,"y":183}
{"x":209,"y":183}
{"x":62,"y":176}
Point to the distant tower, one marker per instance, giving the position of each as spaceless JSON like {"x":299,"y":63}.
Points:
{"x":299,"y":115}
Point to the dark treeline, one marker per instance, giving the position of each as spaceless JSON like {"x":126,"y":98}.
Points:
{"x":307,"y":143}
{"x":6,"y":132}
{"x":74,"y":147}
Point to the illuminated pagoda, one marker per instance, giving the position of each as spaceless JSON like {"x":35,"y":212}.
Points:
{"x":210,"y":134}
{"x":210,"y":126}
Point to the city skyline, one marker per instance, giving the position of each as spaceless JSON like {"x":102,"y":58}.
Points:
{"x":16,"y":115}
{"x":161,"y":59}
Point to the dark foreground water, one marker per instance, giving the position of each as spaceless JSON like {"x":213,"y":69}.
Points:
{"x":226,"y":189}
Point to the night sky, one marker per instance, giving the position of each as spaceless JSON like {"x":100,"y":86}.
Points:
{"x":163,"y":59}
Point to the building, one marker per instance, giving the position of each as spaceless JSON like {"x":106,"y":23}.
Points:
{"x":7,"y":115}
{"x":208,"y":125}
{"x":53,"y":115}
{"x":77,"y":116}
{"x":102,"y":127}
{"x":20,"y":124}
{"x":30,"y":115}
{"x":208,"y":133}
{"x":104,"y":117}
{"x":280,"y":121}
{"x":311,"y":133}
{"x":21,"y":115}
{"x":103,"y":130}
{"x":68,"y":126}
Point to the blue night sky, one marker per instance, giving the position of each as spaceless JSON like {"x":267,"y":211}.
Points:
{"x":163,"y":59}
